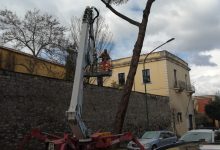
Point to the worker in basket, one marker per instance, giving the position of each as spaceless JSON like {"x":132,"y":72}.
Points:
{"x":105,"y":64}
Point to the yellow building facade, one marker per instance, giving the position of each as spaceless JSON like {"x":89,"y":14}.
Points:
{"x":17,"y":61}
{"x":166,"y":75}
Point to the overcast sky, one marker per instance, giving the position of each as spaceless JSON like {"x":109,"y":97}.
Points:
{"x":195,"y":25}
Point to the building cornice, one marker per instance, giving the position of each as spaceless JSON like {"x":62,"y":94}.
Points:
{"x":157,"y":56}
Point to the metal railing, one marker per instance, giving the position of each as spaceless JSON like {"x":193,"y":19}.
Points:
{"x":190,"y":88}
{"x":181,"y":85}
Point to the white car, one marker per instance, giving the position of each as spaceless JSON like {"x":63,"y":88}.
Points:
{"x":198,"y":145}
{"x":209,"y":147}
{"x":208,"y":135}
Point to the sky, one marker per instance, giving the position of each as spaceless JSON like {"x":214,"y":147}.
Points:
{"x":195,"y":25}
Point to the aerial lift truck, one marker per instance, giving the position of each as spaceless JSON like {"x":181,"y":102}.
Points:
{"x":86,"y":66}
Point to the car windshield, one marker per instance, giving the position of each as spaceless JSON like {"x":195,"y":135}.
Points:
{"x":151,"y":135}
{"x":196,"y":136}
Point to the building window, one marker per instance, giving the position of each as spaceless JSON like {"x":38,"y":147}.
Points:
{"x":179,"y":117}
{"x":121,"y":78}
{"x":190,"y":122}
{"x":186,"y":80}
{"x":175,"y":78}
{"x":146,"y":75}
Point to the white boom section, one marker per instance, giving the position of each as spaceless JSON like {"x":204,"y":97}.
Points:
{"x":75,"y":108}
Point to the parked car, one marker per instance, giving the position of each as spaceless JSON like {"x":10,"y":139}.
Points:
{"x":210,"y":147}
{"x":210,"y":136}
{"x":182,"y":146}
{"x":153,"y":139}
{"x":196,"y":145}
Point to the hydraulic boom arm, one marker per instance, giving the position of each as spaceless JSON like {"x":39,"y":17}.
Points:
{"x":86,"y":57}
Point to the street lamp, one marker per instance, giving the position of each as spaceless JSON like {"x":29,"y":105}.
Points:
{"x":145,"y":76}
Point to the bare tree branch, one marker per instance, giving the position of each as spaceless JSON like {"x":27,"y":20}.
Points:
{"x":121,"y":15}
{"x":117,"y":2}
{"x":102,"y":34}
{"x":35,"y":31}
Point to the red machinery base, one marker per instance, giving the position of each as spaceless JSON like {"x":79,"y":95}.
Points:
{"x":99,"y":140}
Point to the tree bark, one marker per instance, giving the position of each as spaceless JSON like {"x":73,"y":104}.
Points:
{"x":122,"y":108}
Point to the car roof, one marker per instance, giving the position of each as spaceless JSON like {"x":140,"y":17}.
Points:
{"x":201,"y":130}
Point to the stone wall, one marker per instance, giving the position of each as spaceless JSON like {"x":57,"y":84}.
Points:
{"x":28,"y":101}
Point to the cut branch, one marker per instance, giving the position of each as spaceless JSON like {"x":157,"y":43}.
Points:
{"x":131,"y":21}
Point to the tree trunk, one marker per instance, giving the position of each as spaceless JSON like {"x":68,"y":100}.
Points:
{"x":120,"y":115}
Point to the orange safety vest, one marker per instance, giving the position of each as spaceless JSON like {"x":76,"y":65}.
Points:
{"x":105,"y":65}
